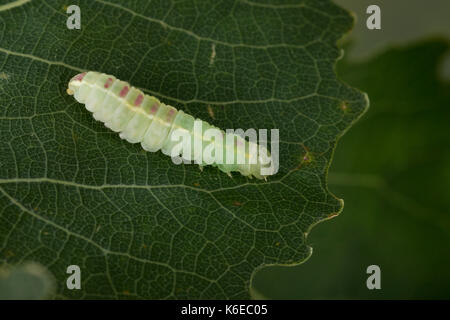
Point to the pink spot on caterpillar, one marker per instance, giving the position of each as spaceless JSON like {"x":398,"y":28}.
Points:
{"x":170,"y":114}
{"x":79,"y":76}
{"x":124,"y":91}
{"x":108,"y":82}
{"x":154,"y":108}
{"x":138,"y":100}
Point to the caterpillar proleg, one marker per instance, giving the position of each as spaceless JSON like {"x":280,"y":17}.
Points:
{"x":140,"y":118}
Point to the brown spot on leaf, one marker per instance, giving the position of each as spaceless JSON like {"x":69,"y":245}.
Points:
{"x":211,"y":112}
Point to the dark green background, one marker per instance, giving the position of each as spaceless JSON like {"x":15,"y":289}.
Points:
{"x":393,"y":170}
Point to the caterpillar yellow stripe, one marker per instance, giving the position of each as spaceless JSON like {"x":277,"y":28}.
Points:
{"x":140,"y":118}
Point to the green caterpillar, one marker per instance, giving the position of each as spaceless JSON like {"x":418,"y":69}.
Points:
{"x":143,"y":118}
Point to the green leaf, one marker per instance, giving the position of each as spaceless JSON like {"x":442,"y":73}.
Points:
{"x":393,"y":169}
{"x":73,"y":193}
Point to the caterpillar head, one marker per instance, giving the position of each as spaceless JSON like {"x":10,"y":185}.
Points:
{"x":75,"y":82}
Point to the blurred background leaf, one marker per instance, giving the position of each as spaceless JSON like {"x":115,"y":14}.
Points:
{"x":393,"y":170}
{"x":30,"y":281}
{"x":402,"y":22}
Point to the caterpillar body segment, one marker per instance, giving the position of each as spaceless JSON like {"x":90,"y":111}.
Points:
{"x":140,"y":118}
